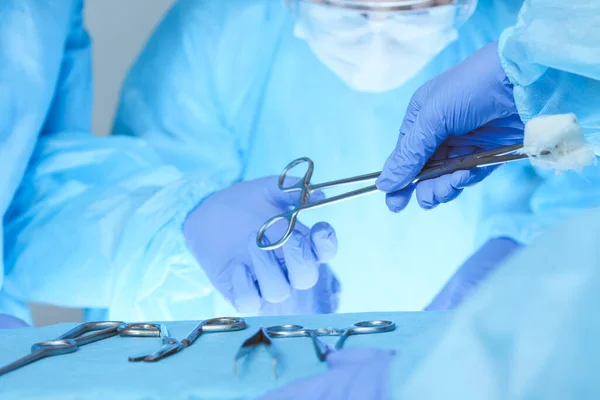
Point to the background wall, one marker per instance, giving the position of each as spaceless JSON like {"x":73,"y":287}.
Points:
{"x":119,"y":30}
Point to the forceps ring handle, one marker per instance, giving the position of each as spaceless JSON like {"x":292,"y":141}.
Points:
{"x":365,"y":327}
{"x":222,"y":324}
{"x":90,"y":332}
{"x":56,"y":346}
{"x":263,"y":243}
{"x":304,"y":183}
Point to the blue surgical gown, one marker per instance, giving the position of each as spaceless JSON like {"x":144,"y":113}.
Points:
{"x":87,"y":222}
{"x":551,"y":56}
{"x":530,"y":332}
{"x":45,"y":89}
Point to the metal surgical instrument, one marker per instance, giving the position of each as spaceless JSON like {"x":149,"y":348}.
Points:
{"x":322,"y":349}
{"x":224,"y":324}
{"x":261,"y":337}
{"x":433,"y":169}
{"x":66,"y":343}
{"x":143,"y":329}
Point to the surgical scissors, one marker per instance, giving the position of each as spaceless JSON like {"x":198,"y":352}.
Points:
{"x":224,"y":324}
{"x":322,"y":349}
{"x":66,"y":343}
{"x":433,"y":169}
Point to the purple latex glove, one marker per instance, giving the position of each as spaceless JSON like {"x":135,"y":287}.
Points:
{"x":221,"y":233}
{"x":474,"y":271}
{"x":353,"y":374}
{"x":10,"y":322}
{"x":466,"y":109}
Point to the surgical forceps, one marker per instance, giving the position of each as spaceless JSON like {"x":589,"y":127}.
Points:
{"x":66,"y":343}
{"x":143,"y":329}
{"x":433,"y":169}
{"x":322,"y":349}
{"x":172,"y":346}
{"x":261,"y":337}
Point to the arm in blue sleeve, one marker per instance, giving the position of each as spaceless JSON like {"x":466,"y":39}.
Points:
{"x":32,"y":41}
{"x":98,"y":221}
{"x":551,"y":57}
{"x":519,"y":204}
{"x":71,"y":108}
{"x":32,"y":36}
{"x":97,"y":224}
{"x":537,"y":199}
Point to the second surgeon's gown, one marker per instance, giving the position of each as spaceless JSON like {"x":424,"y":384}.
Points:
{"x":222,"y":92}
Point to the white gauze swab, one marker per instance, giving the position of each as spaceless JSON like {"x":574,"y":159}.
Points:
{"x":557,"y":142}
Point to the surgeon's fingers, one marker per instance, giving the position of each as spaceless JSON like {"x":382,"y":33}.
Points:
{"x":306,"y":250}
{"x":432,"y":192}
{"x":273,"y":284}
{"x":245,"y":296}
{"x":398,"y":201}
{"x":301,"y":261}
{"x":324,"y":242}
{"x":412,"y":151}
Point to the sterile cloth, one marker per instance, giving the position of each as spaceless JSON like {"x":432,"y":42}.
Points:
{"x":205,"y":370}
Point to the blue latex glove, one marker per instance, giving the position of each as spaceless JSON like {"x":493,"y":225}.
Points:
{"x":474,"y":271}
{"x":221,"y":233}
{"x":465,"y":109}
{"x":353,"y":374}
{"x":10,"y":322}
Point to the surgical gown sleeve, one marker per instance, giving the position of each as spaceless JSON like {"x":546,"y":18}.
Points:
{"x":521,"y":202}
{"x":97,"y":222}
{"x":33,"y":38}
{"x":551,"y":56}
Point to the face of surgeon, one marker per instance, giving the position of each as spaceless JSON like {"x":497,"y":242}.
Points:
{"x":377,"y":47}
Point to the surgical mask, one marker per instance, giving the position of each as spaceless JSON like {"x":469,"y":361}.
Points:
{"x":380,"y":50}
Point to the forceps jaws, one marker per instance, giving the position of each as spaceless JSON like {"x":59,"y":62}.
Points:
{"x":261,"y":337}
{"x":433,"y":169}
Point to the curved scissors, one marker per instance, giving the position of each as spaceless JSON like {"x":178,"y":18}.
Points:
{"x":433,"y":169}
{"x":224,"y":324}
{"x":321,"y":348}
{"x":69,"y":342}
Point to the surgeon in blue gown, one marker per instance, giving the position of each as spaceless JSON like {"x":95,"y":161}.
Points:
{"x":97,"y":223}
{"x":244,"y":87}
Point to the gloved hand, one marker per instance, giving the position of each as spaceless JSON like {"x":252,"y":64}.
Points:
{"x":473,"y":272}
{"x":221,"y":233}
{"x":353,"y":374}
{"x":468,"y":108}
{"x":10,"y":322}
